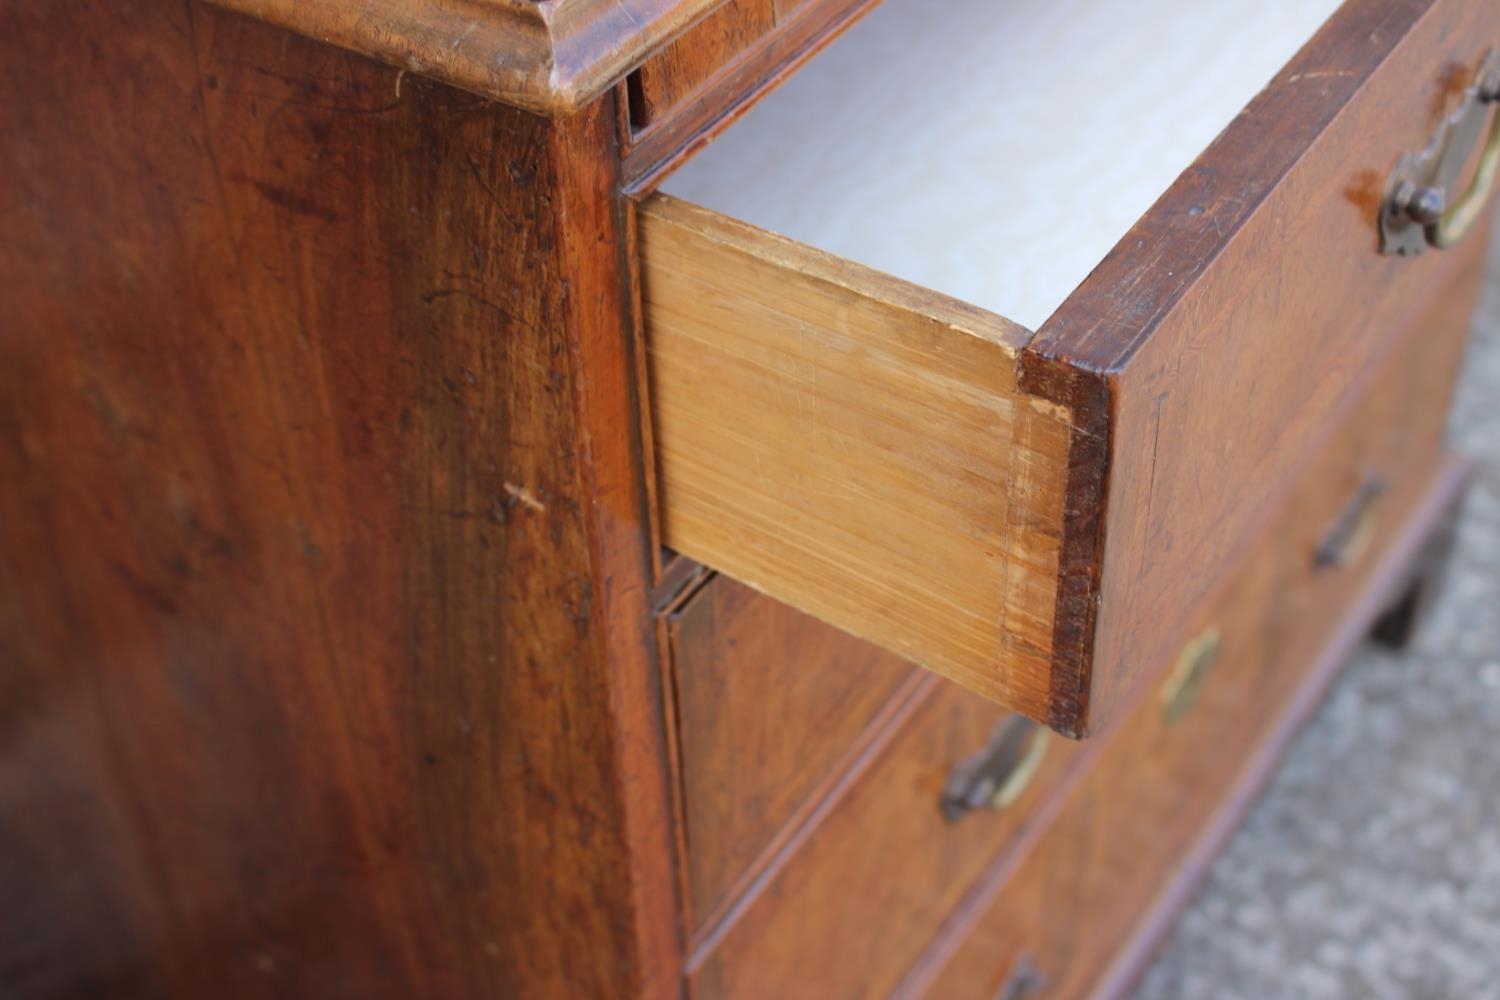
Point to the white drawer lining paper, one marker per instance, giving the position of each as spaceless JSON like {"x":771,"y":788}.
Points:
{"x":995,"y":150}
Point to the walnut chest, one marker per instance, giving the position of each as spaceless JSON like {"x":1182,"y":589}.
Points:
{"x":765,"y":498}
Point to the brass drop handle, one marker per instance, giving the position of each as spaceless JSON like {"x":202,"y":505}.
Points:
{"x":996,"y":777}
{"x":1418,"y":210}
{"x":1459,"y":217}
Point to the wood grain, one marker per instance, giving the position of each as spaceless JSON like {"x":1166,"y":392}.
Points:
{"x":1155,"y":800}
{"x":324,"y":644}
{"x":772,"y":705}
{"x":855,"y":446}
{"x":693,"y":59}
{"x":850,"y":909}
{"x":551,"y":57}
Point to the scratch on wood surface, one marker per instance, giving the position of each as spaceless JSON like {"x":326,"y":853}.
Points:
{"x":1324,"y":74}
{"x":1046,"y":406}
{"x":524,"y":496}
{"x":459,"y":38}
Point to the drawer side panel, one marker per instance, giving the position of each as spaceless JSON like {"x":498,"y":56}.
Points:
{"x":855,"y":446}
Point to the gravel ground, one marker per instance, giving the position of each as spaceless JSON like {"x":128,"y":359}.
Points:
{"x":1371,"y":868}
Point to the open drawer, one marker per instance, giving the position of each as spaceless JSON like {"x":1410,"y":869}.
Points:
{"x":1035,"y":507}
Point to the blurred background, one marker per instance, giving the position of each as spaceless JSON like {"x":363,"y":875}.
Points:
{"x":1371,"y":867}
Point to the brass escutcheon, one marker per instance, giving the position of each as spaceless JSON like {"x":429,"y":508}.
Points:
{"x":1180,"y":690}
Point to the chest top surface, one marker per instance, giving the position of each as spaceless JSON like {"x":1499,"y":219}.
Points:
{"x":548,"y":56}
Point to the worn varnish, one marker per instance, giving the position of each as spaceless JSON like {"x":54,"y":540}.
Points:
{"x":324,"y":649}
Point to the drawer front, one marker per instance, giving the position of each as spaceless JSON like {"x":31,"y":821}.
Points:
{"x":868,"y":881}
{"x":1074,"y":913}
{"x":1256,"y":299}
{"x":859,"y":891}
{"x":772,"y":707}
{"x":1037,"y":515}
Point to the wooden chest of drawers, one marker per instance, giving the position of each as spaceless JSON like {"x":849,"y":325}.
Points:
{"x":613,"y":498}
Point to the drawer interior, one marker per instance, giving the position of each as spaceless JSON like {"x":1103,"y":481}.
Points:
{"x":995,"y":152}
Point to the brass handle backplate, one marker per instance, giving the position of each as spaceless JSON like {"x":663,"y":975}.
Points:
{"x":998,"y":774}
{"x":1419,"y":208}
